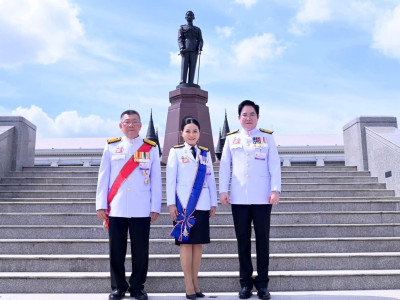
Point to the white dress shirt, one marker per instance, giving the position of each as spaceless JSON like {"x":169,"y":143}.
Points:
{"x":256,"y":167}
{"x":181,"y":171}
{"x":140,"y":194}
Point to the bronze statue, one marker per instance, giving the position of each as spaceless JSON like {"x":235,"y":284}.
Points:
{"x":190,"y":43}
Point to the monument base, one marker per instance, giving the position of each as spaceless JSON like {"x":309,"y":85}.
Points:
{"x":187,"y":102}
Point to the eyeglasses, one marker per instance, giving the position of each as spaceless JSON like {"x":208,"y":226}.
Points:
{"x":251,"y":115}
{"x":127,"y":123}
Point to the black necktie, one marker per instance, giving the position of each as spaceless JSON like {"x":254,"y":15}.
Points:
{"x":193,"y":151}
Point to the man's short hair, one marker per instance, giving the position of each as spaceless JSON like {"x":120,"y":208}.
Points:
{"x":248,"y":103}
{"x":130,"y":112}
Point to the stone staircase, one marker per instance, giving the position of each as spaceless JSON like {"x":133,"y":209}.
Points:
{"x":336,"y":228}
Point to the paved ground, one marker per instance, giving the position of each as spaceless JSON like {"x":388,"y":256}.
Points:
{"x":322,"y":295}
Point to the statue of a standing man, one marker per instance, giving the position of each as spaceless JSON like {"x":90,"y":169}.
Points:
{"x":190,"y":44}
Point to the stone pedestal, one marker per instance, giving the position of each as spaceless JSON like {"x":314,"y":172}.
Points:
{"x":22,"y":139}
{"x":187,"y":102}
{"x":354,"y":138}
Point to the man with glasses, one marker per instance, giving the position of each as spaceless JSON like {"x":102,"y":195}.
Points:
{"x":255,"y":187}
{"x":128,"y":198}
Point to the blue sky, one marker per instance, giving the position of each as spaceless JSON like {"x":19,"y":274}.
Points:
{"x":72,"y":66}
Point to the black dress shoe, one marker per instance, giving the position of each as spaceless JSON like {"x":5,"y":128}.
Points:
{"x":245,"y":292}
{"x":139,"y":294}
{"x":192,"y":296}
{"x":263,"y":293}
{"x":116,"y":294}
{"x":200,"y":295}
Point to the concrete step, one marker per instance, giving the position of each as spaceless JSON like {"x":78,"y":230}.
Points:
{"x":77,"y":206}
{"x":216,"y":167}
{"x":82,"y":173}
{"x":49,"y":180}
{"x":60,"y":168}
{"x":216,"y":231}
{"x":330,"y":179}
{"x":332,"y":186}
{"x":338,"y":193}
{"x":165,"y":282}
{"x":210,"y":262}
{"x":65,"y":187}
{"x":315,"y":168}
{"x":224,"y":246}
{"x":93,"y":180}
{"x":221,"y":218}
{"x":65,"y":192}
{"x":282,"y":199}
{"x":47,"y":194}
{"x":316,"y":173}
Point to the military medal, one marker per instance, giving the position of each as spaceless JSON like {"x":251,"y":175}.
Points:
{"x":147,"y":180}
{"x":185,"y":159}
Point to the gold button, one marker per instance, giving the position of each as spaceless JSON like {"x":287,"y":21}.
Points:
{"x":129,"y":190}
{"x":248,"y":165}
{"x":248,"y":176}
{"x":247,"y":154}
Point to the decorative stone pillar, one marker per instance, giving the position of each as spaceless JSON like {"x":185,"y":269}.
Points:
{"x":23,"y":142}
{"x":354,"y":138}
{"x":187,"y":102}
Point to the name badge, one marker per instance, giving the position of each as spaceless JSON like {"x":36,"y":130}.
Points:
{"x":260,"y":155}
{"x":119,"y":150}
{"x":185,"y":159}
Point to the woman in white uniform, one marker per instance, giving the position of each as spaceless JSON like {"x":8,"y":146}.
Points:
{"x":192,"y":200}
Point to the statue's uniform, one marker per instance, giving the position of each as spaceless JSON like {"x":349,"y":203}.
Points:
{"x":256,"y":171}
{"x":181,"y":171}
{"x":138,"y":196}
{"x":189,"y":39}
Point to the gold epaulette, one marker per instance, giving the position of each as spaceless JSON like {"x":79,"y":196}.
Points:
{"x":150,"y":142}
{"x":203,"y":148}
{"x":117,"y":139}
{"x":232,"y":132}
{"x":179,"y":146}
{"x":266,"y":130}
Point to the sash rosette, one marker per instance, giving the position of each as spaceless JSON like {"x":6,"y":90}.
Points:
{"x":185,"y":219}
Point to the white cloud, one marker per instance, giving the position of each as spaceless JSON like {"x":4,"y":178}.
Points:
{"x":386,"y":35}
{"x":37,"y":31}
{"x":67,"y":124}
{"x":174,"y":59}
{"x":310,"y":11}
{"x":314,"y":11}
{"x":247,"y":3}
{"x":225,"y":31}
{"x":257,"y":48}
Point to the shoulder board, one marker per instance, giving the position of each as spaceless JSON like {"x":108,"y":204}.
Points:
{"x":179,"y":146}
{"x":232,"y":132}
{"x":203,"y":148}
{"x":151,"y":143}
{"x":266,"y":130}
{"x":117,"y":139}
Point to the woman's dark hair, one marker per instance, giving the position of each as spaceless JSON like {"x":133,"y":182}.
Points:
{"x":189,"y":120}
{"x":248,"y":103}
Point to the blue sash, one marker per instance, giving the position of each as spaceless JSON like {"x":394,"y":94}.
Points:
{"x":185,"y":219}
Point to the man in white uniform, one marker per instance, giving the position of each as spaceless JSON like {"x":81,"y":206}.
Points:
{"x":255,"y":187}
{"x":129,"y":198}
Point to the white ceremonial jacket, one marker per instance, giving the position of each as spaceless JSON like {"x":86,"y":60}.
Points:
{"x":256,"y":167}
{"x":181,"y":172}
{"x":141,"y":192}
